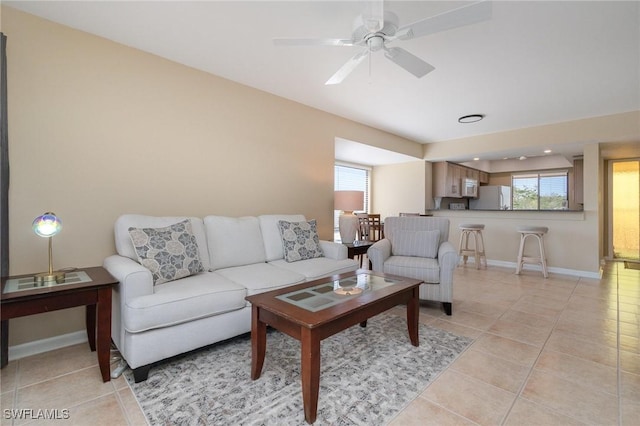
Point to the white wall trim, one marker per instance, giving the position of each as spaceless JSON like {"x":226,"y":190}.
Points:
{"x":564,"y":271}
{"x":46,"y":345}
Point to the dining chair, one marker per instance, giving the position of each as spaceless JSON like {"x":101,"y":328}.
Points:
{"x":371,"y":227}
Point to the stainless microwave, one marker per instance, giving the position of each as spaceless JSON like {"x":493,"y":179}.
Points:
{"x":469,"y":187}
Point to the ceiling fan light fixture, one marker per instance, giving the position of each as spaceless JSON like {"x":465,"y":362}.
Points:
{"x":472,"y":118}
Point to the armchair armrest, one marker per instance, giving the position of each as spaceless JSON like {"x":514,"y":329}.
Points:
{"x":378,"y":253}
{"x":135,"y":280}
{"x":447,"y":260}
{"x":333,"y":250}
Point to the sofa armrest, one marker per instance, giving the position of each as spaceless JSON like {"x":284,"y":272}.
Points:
{"x":447,"y":260}
{"x":378,"y":253}
{"x":333,"y":250}
{"x":135,"y":280}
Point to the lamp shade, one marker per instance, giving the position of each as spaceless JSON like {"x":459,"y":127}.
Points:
{"x":348,"y":200}
{"x":47,"y":225}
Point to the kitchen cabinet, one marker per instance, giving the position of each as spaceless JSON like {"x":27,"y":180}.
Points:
{"x":471,"y":173}
{"x":578,"y":179}
{"x":447,"y":178}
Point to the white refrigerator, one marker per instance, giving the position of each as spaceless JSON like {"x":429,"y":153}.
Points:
{"x":492,"y":197}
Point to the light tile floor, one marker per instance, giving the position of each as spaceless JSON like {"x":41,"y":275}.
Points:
{"x":557,"y":351}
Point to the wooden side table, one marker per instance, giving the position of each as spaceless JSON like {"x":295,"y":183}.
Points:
{"x":358,"y":248}
{"x":90,"y":287}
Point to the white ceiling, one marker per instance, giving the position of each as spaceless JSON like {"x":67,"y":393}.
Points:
{"x":533,"y":63}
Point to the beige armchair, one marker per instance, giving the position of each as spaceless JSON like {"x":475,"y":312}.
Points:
{"x":418,"y":247}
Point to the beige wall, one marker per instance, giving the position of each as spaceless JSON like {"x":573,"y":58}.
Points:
{"x":97,"y":129}
{"x":399,"y":188}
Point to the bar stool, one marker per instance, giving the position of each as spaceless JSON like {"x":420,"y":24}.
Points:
{"x":538,"y":233}
{"x":477,"y":251}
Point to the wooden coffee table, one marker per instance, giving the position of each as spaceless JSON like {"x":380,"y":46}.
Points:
{"x":315,"y":310}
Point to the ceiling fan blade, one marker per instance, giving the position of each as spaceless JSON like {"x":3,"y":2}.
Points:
{"x":466,"y":15}
{"x":408,"y":61}
{"x":347,"y":68}
{"x":312,"y":42}
{"x":373,"y":15}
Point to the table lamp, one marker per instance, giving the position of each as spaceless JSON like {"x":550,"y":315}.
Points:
{"x":348,"y":202}
{"x":47,"y":226}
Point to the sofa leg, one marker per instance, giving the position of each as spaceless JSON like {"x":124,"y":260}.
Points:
{"x":141,"y":374}
{"x":448,"y":308}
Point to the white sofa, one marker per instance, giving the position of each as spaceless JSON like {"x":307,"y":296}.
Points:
{"x":240,"y":257}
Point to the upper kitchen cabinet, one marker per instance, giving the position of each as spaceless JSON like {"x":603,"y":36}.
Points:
{"x":578,"y":178}
{"x":452,"y":180}
{"x":447,"y":178}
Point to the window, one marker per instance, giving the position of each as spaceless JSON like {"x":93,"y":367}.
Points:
{"x":540,"y":191}
{"x":351,"y":178}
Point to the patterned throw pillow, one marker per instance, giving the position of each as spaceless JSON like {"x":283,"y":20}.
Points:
{"x":300,"y":240}
{"x":169,"y":253}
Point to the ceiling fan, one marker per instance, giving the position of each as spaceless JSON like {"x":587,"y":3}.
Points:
{"x":376,"y":28}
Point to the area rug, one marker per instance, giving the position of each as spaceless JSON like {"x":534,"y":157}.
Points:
{"x":367,"y":376}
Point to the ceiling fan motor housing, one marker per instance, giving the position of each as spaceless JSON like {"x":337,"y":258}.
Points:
{"x":361,"y":35}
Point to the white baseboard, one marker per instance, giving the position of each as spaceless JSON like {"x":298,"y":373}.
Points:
{"x":46,"y":345}
{"x":563,"y":271}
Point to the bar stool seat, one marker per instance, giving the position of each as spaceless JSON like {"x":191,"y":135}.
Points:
{"x":477,"y":251}
{"x":536,"y":232}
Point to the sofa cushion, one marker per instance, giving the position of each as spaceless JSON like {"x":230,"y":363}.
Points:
{"x":124,"y":246}
{"x":416,"y":243}
{"x":318,"y":267}
{"x":420,"y":268}
{"x":176,"y":302}
{"x":261,"y":277}
{"x":234,"y":241}
{"x":271,"y":234}
{"x":170,"y":253}
{"x":300,"y":240}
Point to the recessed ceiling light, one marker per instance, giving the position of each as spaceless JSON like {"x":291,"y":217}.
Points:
{"x":470,"y":118}
{"x":547,"y":151}
{"x":522,"y":157}
{"x":476,"y":158}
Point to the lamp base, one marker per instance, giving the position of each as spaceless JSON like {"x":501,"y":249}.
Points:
{"x":46,"y":278}
{"x":348,"y":226}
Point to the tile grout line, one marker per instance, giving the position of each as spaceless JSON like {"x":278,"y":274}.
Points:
{"x":526,"y":379}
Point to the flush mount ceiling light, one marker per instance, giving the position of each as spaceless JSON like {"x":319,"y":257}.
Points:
{"x":473,"y":118}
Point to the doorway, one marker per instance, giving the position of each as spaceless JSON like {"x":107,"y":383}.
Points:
{"x":625,"y":209}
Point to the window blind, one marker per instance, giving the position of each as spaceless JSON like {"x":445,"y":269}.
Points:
{"x":351,"y":178}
